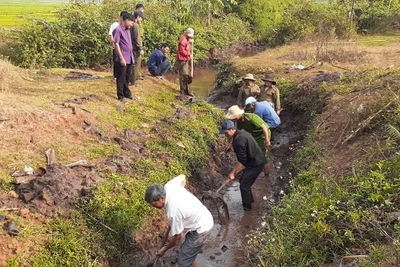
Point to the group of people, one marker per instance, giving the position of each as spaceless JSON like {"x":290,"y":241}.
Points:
{"x":126,"y":41}
{"x":256,"y":116}
{"x":188,"y":218}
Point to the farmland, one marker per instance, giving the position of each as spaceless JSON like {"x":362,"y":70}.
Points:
{"x":13,"y":13}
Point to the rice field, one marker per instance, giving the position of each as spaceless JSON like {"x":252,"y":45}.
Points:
{"x":14,"y":13}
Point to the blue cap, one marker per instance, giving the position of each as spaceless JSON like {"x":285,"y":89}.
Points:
{"x":225,"y":126}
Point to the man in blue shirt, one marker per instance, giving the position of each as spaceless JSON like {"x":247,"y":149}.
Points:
{"x":158,"y":63}
{"x":264,"y":110}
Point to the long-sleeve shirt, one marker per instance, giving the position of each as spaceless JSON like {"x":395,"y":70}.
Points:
{"x":183,"y":53}
{"x":252,"y":123}
{"x":137,"y":43}
{"x":155,"y":60}
{"x":245,"y":92}
{"x":271,"y":94}
{"x":122,"y":37}
{"x":247,"y":150}
{"x":267,"y":114}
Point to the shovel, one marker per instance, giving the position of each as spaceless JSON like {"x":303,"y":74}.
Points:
{"x":217,"y":195}
{"x":165,"y":238}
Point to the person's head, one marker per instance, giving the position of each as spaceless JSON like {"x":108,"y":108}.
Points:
{"x":234,"y":113}
{"x":139,"y":7}
{"x":189,"y":33}
{"x":127,"y":20}
{"x":121,"y":15}
{"x":165,"y":48}
{"x":227,"y":128}
{"x":249,"y":79}
{"x":155,"y":196}
{"x":250,"y":104}
{"x":268,"y":80}
{"x":138,"y":16}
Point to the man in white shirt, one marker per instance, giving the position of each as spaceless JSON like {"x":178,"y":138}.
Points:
{"x":110,"y":33}
{"x":186,"y":216}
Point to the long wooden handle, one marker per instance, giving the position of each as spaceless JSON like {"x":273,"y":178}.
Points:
{"x":191,"y":61}
{"x":223,"y":185}
{"x":165,"y":238}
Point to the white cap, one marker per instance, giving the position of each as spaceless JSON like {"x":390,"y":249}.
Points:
{"x":190,"y":32}
{"x":250,"y":100}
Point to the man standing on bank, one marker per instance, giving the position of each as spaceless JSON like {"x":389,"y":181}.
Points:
{"x":187,"y":217}
{"x":270,"y":93}
{"x":249,"y":155}
{"x":182,"y":61}
{"x":158,"y":62}
{"x":137,"y":45}
{"x":124,"y":60}
{"x":110,"y":33}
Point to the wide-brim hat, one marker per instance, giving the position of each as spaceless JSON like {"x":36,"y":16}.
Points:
{"x":268,"y":78}
{"x":234,"y":112}
{"x":249,"y":77}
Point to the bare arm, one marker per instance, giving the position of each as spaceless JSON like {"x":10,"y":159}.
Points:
{"x":265,"y":132}
{"x":235,"y":170}
{"x":175,"y":240}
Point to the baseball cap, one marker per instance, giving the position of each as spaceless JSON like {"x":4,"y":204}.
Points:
{"x":226,"y":125}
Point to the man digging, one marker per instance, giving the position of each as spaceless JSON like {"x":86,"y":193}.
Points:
{"x":187,"y":217}
{"x":249,"y":155}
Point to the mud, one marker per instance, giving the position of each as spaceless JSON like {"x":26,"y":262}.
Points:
{"x":80,"y":76}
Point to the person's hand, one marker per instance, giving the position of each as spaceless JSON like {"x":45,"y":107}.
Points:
{"x":191,"y":41}
{"x":268,"y":144}
{"x":162,"y":251}
{"x":123,"y":62}
{"x":141,"y":52}
{"x":278,"y":112}
{"x":232,"y":175}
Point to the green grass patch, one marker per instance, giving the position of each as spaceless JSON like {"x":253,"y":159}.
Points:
{"x":15,"y":13}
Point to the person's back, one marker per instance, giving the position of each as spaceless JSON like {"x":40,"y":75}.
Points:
{"x":252,"y":123}
{"x":244,"y":142}
{"x":185,"y":212}
{"x":267,"y":113}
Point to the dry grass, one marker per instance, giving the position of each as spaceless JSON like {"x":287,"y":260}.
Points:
{"x":353,"y":55}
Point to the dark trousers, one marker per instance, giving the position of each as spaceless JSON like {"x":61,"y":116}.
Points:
{"x":114,"y":69}
{"x":123,"y":74}
{"x":248,"y":178}
{"x":136,"y":67}
{"x":162,"y":69}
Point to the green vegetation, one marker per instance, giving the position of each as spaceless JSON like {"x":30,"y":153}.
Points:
{"x":77,"y":36}
{"x":16,"y":13}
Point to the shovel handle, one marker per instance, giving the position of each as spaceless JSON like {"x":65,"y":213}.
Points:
{"x":223,"y":185}
{"x":228,"y":180}
{"x":165,"y":238}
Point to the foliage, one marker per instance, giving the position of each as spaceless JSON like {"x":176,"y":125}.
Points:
{"x":322,"y":218}
{"x":79,"y":36}
{"x":372,"y":16}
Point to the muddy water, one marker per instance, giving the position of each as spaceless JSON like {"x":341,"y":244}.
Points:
{"x":203,"y":81}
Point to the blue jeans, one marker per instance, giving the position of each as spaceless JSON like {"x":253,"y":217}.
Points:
{"x":162,"y":69}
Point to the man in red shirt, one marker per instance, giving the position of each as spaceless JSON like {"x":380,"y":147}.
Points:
{"x":182,"y":60}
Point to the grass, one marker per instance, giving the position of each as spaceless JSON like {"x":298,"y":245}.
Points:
{"x":15,"y":13}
